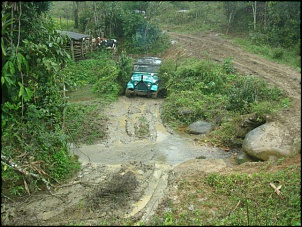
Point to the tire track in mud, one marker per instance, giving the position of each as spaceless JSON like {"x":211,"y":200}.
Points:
{"x":132,"y":120}
{"x":126,"y":117}
{"x":155,"y":146}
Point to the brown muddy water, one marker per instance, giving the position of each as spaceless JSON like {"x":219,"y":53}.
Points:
{"x":136,"y":133}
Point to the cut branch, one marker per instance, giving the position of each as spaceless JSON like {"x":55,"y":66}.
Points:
{"x":6,"y":161}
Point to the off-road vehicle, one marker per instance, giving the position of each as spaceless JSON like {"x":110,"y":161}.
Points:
{"x":145,"y":78}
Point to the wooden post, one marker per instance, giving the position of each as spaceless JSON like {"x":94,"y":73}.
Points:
{"x":82,"y":48}
{"x":90,"y":44}
{"x":71,"y":48}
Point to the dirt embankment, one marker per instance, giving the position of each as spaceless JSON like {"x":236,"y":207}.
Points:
{"x":126,"y":175}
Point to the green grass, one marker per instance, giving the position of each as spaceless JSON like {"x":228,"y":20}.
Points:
{"x":280,"y":55}
{"x":84,"y":116}
{"x":82,"y":93}
{"x":235,"y":199}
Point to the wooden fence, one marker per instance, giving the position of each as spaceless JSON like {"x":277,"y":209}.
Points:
{"x":79,"y":46}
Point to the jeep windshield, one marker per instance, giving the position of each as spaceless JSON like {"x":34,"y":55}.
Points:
{"x":146,"y":68}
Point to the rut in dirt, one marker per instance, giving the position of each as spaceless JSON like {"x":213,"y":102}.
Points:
{"x":135,"y":132}
{"x":137,"y":136}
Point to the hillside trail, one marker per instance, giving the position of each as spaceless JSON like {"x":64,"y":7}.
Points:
{"x":213,"y":47}
{"x":127,"y":174}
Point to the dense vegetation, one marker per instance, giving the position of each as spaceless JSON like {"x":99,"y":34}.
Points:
{"x":36,"y":71}
{"x":217,"y":95}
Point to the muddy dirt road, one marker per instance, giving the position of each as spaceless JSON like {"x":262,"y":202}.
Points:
{"x":126,"y":175}
{"x":135,"y":132}
{"x":136,"y":135}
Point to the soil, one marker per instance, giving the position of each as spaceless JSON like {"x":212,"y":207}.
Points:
{"x":129,"y":173}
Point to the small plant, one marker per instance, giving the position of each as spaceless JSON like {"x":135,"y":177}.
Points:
{"x":277,"y":53}
{"x":285,"y":103}
{"x":168,"y":219}
{"x":18,"y":191}
{"x":228,"y":65}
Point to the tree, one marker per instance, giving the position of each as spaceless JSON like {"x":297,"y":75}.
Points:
{"x":32,"y":104}
{"x":254,"y":7}
{"x":283,"y":26}
{"x":76,"y":14}
{"x":230,"y":8}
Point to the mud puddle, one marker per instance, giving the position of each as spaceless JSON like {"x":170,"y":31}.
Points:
{"x":169,"y":149}
{"x":137,"y":138}
{"x":136,"y":133}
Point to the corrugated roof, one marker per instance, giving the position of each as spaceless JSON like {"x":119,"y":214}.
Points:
{"x":74,"y":35}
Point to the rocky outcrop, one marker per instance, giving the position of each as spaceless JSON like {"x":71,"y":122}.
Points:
{"x":271,"y":141}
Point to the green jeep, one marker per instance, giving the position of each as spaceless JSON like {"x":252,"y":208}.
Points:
{"x":144,"y":79}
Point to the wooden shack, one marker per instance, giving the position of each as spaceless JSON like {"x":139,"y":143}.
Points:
{"x":79,"y":46}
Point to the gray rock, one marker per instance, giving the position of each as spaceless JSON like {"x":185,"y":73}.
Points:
{"x":271,"y":141}
{"x":199,"y":127}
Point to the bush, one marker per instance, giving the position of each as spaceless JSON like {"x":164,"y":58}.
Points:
{"x":247,"y":90}
{"x":125,"y":66}
{"x":107,"y":82}
{"x":277,"y":53}
{"x":202,"y":90}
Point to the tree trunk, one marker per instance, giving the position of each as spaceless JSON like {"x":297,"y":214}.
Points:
{"x":254,"y":7}
{"x":229,"y":22}
{"x":76,"y":14}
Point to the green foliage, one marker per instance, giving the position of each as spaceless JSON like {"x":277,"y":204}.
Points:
{"x":284,"y":27}
{"x":225,"y":135}
{"x":228,"y":66}
{"x":201,"y":90}
{"x":182,"y":102}
{"x":64,"y":165}
{"x":107,"y":83}
{"x":185,"y":107}
{"x":32,"y":95}
{"x":288,"y":56}
{"x":199,"y":17}
{"x":278,"y":53}
{"x":194,"y":75}
{"x":36,"y":143}
{"x":125,"y":66}
{"x":247,"y":90}
{"x":88,"y":71}
{"x":84,"y":122}
{"x":63,"y":24}
{"x":279,"y":28}
{"x":143,"y":37}
{"x":80,"y":73}
{"x":234,"y":199}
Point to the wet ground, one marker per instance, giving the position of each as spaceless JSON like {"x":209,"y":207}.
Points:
{"x":136,"y":133}
{"x":137,"y":136}
{"x":127,"y":174}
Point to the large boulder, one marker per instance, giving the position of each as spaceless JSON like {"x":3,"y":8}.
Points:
{"x":271,"y":141}
{"x":199,"y":127}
